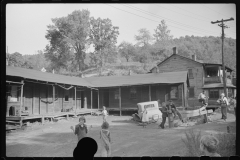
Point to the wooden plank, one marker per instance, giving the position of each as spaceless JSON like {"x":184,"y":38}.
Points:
{"x":193,"y":114}
{"x":98,"y":98}
{"x":75,"y":99}
{"x":53,"y":99}
{"x":149,"y":92}
{"x":33,"y":98}
{"x":120,"y":105}
{"x":21,"y":100}
{"x":91,"y":99}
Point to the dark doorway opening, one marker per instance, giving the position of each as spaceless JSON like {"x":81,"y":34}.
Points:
{"x":106,"y":97}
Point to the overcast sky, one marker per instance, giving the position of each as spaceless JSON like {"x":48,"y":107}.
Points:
{"x":26,"y":24}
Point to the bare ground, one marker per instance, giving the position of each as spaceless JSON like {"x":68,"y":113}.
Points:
{"x":129,"y":139}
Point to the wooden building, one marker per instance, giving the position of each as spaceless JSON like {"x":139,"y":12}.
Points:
{"x":202,"y":76}
{"x":40,"y":93}
{"x":34,"y":92}
{"x":124,"y":92}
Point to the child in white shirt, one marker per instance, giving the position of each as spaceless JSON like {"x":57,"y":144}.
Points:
{"x":105,"y":114}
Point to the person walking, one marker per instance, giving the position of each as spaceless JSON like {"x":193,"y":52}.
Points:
{"x":223,"y":101}
{"x":106,"y":140}
{"x":80,"y":129}
{"x":209,"y":144}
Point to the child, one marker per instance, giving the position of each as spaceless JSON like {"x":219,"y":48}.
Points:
{"x":208,"y":144}
{"x":80,"y":129}
{"x":106,"y":140}
{"x":105,"y":114}
{"x":145,"y":118}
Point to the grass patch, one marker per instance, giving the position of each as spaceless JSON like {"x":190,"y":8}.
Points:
{"x":225,"y":148}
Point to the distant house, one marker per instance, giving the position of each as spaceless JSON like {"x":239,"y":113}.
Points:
{"x":202,"y":76}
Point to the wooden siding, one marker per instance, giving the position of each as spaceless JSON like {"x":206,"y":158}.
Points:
{"x":176,"y":63}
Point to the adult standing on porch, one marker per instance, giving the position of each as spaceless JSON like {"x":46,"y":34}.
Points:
{"x":223,"y":101}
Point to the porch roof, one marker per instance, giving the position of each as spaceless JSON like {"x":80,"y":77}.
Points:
{"x":45,"y":76}
{"x":218,"y":85}
{"x":140,"y":79}
{"x":107,"y":81}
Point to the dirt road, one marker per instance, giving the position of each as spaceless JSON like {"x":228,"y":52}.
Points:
{"x":129,"y":139}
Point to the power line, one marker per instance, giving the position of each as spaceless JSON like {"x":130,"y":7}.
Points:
{"x":152,"y":20}
{"x":184,"y":14}
{"x":140,"y":10}
{"x":191,"y":12}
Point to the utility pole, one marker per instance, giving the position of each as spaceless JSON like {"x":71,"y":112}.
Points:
{"x":223,"y":26}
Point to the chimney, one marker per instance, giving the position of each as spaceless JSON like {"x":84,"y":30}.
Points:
{"x":174,"y":50}
{"x":194,"y":57}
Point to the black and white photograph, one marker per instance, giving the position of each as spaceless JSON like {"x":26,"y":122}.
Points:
{"x":120,"y":79}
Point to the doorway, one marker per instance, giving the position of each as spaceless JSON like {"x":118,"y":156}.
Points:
{"x":106,"y":97}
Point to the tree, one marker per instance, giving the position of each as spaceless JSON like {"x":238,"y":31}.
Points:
{"x":103,"y":36}
{"x":15,"y":59}
{"x":143,"y":38}
{"x":126,"y":50}
{"x":69,"y":38}
{"x":162,"y":33}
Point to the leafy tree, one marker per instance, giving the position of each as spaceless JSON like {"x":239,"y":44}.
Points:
{"x":144,"y":37}
{"x":15,"y":59}
{"x":69,"y":38}
{"x":162,"y":33}
{"x":126,"y":50}
{"x":103,"y":36}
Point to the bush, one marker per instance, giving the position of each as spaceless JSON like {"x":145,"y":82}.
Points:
{"x":192,"y":143}
{"x":225,"y":148}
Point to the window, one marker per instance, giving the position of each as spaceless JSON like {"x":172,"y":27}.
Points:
{"x":14,"y":93}
{"x":191,"y":92}
{"x":133,"y":93}
{"x":213,"y":93}
{"x":180,"y":91}
{"x":174,"y":92}
{"x":190,"y":73}
{"x":230,"y":94}
{"x":66,"y":96}
{"x":116,"y":94}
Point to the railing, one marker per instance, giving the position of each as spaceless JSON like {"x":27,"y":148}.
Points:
{"x":212,"y":80}
{"x":217,"y":80}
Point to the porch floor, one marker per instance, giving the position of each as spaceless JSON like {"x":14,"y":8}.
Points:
{"x":20,"y":119}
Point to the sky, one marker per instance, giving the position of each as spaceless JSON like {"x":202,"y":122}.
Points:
{"x":26,"y":24}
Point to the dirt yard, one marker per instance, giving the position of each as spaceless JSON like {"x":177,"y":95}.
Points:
{"x":129,"y":139}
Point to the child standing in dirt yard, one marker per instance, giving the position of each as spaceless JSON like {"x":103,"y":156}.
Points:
{"x":106,"y":140}
{"x":209,"y":144}
{"x":105,"y":114}
{"x":80,"y":129}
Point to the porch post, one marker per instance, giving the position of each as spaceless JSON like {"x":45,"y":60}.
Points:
{"x":182,"y":95}
{"x":21,"y":101}
{"x":120,"y":107}
{"x":185,"y":95}
{"x":91,"y":98}
{"x":33,"y":99}
{"x":149,"y":92}
{"x":53,"y":98}
{"x":98,"y":98}
{"x":75,"y":88}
